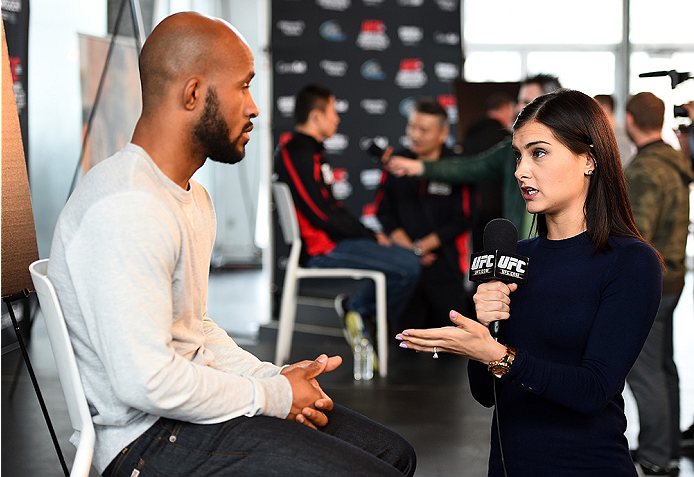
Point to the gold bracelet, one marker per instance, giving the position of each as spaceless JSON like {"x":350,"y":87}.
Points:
{"x":502,"y":366}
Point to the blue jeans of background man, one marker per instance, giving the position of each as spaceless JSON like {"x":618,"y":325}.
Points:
{"x":349,"y":445}
{"x":401,"y":267}
{"x":655,"y":384}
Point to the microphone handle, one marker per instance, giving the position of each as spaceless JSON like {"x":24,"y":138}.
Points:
{"x":494,"y":328}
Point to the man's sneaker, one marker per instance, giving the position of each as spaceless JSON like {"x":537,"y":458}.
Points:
{"x":355,"y":322}
{"x":353,"y":328}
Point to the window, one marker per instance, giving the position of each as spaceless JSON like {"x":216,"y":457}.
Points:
{"x":583,"y":44}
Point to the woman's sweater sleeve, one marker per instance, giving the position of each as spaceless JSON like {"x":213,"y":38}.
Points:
{"x":630,"y":296}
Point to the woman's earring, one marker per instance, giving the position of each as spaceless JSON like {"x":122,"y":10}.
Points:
{"x":589,"y":173}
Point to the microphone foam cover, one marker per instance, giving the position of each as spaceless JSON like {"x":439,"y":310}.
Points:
{"x":500,"y":234}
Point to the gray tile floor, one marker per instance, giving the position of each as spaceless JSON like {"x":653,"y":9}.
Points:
{"x":427,"y":401}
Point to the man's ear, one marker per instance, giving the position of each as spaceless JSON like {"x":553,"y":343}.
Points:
{"x":444,"y":134}
{"x":192,"y":93}
{"x":628,"y":119}
{"x":312,"y":115}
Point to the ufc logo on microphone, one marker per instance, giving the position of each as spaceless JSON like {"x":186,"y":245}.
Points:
{"x":483,"y":261}
{"x":509,"y":263}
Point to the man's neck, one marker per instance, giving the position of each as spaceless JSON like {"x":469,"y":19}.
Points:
{"x":645,"y":138}
{"x":431,"y":156}
{"x":170,"y":157}
{"x":309,"y":131}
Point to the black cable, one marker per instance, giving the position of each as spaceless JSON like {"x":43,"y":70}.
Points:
{"x":498,"y":428}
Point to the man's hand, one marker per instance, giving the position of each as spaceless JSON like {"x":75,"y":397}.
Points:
{"x":308,"y":399}
{"x":689,"y":107}
{"x":383,"y":239}
{"x":386,"y":155}
{"x":429,"y":243}
{"x":401,"y":166}
{"x":428,"y":259}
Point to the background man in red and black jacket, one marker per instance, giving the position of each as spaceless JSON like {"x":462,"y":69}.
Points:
{"x":332,"y":236}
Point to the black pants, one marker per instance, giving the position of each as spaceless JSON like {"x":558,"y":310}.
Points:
{"x":349,"y":445}
{"x":440,"y":290}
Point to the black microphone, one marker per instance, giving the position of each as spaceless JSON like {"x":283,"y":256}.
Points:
{"x":376,"y":151}
{"x":675,"y":77}
{"x":499,"y":260}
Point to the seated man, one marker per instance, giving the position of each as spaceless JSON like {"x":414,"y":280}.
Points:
{"x":433,"y":219}
{"x":332,"y":236}
{"x":170,"y":393}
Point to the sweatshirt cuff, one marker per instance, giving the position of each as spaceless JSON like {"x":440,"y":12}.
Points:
{"x":273,"y":397}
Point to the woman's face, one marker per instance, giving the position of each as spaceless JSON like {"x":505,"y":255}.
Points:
{"x":551,"y":177}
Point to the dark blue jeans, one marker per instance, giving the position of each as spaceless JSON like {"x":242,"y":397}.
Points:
{"x":349,"y":445}
{"x":400,"y":266}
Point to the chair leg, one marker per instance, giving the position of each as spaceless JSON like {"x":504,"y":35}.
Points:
{"x":287,"y":319}
{"x":382,"y":325}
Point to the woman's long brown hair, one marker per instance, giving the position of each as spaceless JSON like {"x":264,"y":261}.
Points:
{"x":580,"y":124}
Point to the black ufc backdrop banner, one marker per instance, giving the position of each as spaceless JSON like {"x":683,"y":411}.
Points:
{"x":15,"y":17}
{"x":377,"y":56}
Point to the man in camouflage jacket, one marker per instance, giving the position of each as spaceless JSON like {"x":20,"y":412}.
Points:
{"x":658,"y":181}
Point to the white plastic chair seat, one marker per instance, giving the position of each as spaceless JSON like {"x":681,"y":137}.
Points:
{"x":294,"y":272}
{"x":68,"y":373}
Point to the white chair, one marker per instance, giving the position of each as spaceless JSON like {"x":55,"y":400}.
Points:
{"x":294,"y":272}
{"x":67,"y":368}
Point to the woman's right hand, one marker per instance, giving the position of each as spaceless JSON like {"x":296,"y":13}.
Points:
{"x":492,"y":301}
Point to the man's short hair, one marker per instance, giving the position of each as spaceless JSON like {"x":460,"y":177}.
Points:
{"x":310,"y":97}
{"x":648,"y":111}
{"x":496,"y":101}
{"x":547,"y":82}
{"x":605,"y":100}
{"x":433,"y":107}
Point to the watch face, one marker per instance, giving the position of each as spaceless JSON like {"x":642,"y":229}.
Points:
{"x":499,"y":370}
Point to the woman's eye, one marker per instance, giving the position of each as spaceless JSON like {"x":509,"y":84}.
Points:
{"x":539,"y":152}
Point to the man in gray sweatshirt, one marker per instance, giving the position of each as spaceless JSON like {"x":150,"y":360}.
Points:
{"x":170,"y":393}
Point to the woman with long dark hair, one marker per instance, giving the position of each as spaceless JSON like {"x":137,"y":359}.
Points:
{"x":573,"y":331}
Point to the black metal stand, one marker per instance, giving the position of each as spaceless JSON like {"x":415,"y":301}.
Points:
{"x":8,"y":301}
{"x":136,"y":15}
{"x":18,"y":368}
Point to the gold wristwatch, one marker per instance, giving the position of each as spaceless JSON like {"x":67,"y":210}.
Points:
{"x":502,"y":366}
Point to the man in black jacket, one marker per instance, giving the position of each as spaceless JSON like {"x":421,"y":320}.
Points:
{"x":433,"y":218}
{"x":332,"y":236}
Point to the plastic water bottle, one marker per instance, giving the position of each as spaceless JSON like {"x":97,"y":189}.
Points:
{"x":363,"y":359}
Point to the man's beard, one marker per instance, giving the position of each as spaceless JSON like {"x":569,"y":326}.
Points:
{"x":211,"y":133}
